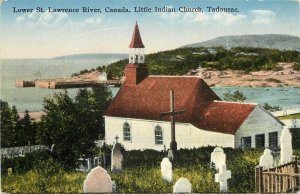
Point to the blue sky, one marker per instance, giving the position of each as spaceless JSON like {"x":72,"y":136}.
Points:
{"x":43,"y":35}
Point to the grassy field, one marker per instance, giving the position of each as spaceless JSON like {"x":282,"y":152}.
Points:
{"x":141,"y":178}
{"x":294,"y":116}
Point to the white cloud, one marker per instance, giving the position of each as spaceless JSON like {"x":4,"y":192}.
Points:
{"x":93,"y":20}
{"x":222,"y":18}
{"x":44,"y":19}
{"x":227,"y":18}
{"x":263,"y":16}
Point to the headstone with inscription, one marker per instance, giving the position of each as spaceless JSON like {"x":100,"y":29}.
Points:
{"x":97,"y":181}
{"x":166,"y":169}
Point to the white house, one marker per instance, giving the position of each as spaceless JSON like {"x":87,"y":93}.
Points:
{"x":134,"y":114}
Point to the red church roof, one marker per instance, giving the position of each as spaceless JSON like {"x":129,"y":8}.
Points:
{"x":149,"y":98}
{"x":136,"y":40}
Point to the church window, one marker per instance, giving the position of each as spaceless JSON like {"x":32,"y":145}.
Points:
{"x":246,"y":142}
{"x":260,"y":141}
{"x":273,"y":140}
{"x":126,"y":132}
{"x":158,"y":135}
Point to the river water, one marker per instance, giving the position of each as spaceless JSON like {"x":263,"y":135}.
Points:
{"x":31,"y":98}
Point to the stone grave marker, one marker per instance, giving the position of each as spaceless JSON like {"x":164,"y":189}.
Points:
{"x":222,"y":178}
{"x":116,"y":157}
{"x":266,"y":160}
{"x":286,"y":151}
{"x":218,"y":158}
{"x":97,"y":181}
{"x":170,"y":155}
{"x":166,"y":169}
{"x":183,"y":185}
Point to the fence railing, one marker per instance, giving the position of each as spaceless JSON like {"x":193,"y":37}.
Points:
{"x":280,"y":179}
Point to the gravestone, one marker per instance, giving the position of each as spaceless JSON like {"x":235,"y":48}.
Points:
{"x":97,"y":181}
{"x":218,"y":158}
{"x":286,"y":151}
{"x":266,"y":160}
{"x":170,"y":155}
{"x":222,"y":178}
{"x":166,"y":169}
{"x":116,"y":157}
{"x":182,"y":186}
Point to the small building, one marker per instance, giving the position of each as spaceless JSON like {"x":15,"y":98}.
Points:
{"x":134,"y":114}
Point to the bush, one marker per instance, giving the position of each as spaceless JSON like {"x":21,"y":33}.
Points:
{"x":21,"y":165}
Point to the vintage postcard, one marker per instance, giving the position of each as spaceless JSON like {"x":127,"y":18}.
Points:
{"x":150,"y":96}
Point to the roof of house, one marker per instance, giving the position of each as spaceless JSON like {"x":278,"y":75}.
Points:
{"x":136,"y":40}
{"x":149,"y":98}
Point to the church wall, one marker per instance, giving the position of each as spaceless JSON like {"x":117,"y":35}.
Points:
{"x":142,"y":134}
{"x":258,"y":122}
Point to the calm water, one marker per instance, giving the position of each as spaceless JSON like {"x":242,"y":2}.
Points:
{"x":31,"y":98}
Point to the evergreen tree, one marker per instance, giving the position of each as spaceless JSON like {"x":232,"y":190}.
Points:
{"x":72,"y":126}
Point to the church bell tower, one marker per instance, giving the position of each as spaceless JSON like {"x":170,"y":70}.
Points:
{"x":136,"y":52}
{"x":136,"y":70}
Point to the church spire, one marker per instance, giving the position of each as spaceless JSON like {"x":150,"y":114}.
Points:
{"x":136,"y":46}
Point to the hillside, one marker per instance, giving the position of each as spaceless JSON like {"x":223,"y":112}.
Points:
{"x":181,"y":61}
{"x":274,"y":41}
{"x":255,"y":67}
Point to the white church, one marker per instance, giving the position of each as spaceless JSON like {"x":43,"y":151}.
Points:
{"x":134,"y":114}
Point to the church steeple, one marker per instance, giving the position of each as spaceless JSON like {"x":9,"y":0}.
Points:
{"x":136,"y":54}
{"x":136,"y":71}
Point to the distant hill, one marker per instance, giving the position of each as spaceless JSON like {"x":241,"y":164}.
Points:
{"x":274,"y":41}
{"x":92,"y":55}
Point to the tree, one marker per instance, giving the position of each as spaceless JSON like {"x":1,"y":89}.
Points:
{"x":16,"y":131}
{"x":271,"y":108}
{"x":237,"y":96}
{"x":73,"y":125}
{"x":26,"y":130}
{"x":7,"y":125}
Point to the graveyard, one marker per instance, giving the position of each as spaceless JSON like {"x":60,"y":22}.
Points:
{"x":142,"y":172}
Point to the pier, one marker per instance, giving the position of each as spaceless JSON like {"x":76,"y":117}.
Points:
{"x":65,"y":83}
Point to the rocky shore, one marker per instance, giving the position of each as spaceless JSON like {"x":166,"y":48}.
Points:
{"x":285,"y":77}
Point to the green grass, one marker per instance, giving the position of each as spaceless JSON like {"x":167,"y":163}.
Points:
{"x":144,"y":179}
{"x":294,"y":116}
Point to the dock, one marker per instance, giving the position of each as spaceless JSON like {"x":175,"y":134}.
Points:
{"x":65,"y":83}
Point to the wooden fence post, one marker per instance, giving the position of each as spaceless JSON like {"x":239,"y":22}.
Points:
{"x":258,"y":179}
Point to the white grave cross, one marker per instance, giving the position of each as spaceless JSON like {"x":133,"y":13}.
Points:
{"x":222,"y":178}
{"x":166,"y":169}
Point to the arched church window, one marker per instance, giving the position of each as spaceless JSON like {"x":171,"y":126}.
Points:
{"x":126,"y":132}
{"x":158,"y":135}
